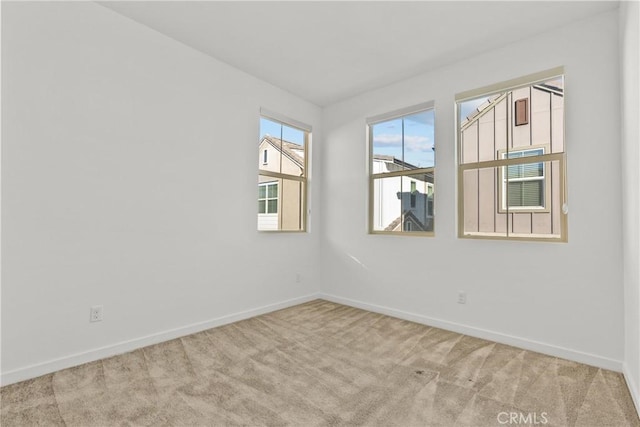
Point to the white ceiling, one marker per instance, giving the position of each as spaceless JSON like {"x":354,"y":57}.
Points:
{"x":328,"y":51}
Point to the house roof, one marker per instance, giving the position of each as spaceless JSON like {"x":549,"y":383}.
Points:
{"x":549,"y":87}
{"x":482,"y":109}
{"x":406,"y":215}
{"x":391,"y":159}
{"x":287,"y":148}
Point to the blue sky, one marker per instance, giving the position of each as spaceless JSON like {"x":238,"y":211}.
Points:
{"x":467,"y":107}
{"x":268,"y":127}
{"x":417,"y":138}
{"x":419,"y":135}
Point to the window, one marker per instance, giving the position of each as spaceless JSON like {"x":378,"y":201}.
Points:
{"x":511,"y":160}
{"x":522,"y":112}
{"x":402,"y":166}
{"x":282,"y":173}
{"x":523,"y":185}
{"x":268,"y":198}
{"x":413,"y":196}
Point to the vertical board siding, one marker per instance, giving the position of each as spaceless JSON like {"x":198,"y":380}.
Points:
{"x":486,"y":137}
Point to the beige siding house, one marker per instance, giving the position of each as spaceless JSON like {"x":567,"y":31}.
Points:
{"x":280,"y":201}
{"x":524,"y":199}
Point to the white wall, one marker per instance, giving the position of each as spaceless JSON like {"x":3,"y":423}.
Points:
{"x":630,"y":91}
{"x":129,"y":180}
{"x":115,"y":142}
{"x":564,"y":299}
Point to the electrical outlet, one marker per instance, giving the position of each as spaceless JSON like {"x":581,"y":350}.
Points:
{"x":462,"y":297}
{"x":95,"y":314}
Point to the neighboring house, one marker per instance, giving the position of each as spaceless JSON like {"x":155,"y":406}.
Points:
{"x":403,"y":203}
{"x":525,"y":199}
{"x":280,"y":204}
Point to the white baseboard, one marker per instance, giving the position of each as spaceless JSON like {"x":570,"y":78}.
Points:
{"x":552,"y":350}
{"x":633,"y":387}
{"x":39,"y":369}
{"x":36,"y":370}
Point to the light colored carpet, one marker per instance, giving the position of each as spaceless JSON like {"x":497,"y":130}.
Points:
{"x":322,"y":363}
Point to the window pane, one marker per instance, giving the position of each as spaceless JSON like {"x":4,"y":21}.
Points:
{"x":417,"y":201}
{"x":281,"y":148}
{"x":270,"y":127}
{"x":293,"y":151}
{"x":395,"y":204}
{"x":547,"y":114}
{"x":292,"y":205}
{"x":529,"y":170}
{"x":293,"y":135}
{"x":387,"y":146}
{"x":532,"y":170}
{"x":267,"y":203}
{"x":283,"y":205}
{"x":526,"y":194}
{"x":404,"y":143}
{"x":292,"y":162}
{"x":536,"y":152}
{"x":273,"y":190}
{"x":270,"y":146}
{"x":535,"y":207}
{"x":526,"y":186}
{"x":481,"y":215}
{"x":479,"y":138}
{"x":514,"y":171}
{"x":272,"y":206}
{"x":386,"y":204}
{"x":513,"y":155}
{"x":419,"y":139}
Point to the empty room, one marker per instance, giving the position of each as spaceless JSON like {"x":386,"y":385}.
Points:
{"x":440,"y":225}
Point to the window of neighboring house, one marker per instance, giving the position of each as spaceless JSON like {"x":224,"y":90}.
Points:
{"x":282,"y":173}
{"x":511,"y":160}
{"x":523,"y":185}
{"x":413,"y":195}
{"x":402,"y":167}
{"x":521,"y":112}
{"x":268,"y":198}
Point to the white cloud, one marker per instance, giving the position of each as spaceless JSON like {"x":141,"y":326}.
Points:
{"x":411,"y":142}
{"x":417,"y":143}
{"x":388,"y":139}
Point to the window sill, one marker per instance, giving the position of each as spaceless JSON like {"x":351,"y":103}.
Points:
{"x":557,"y":238}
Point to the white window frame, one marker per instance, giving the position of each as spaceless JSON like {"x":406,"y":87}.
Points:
{"x":546,"y":184}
